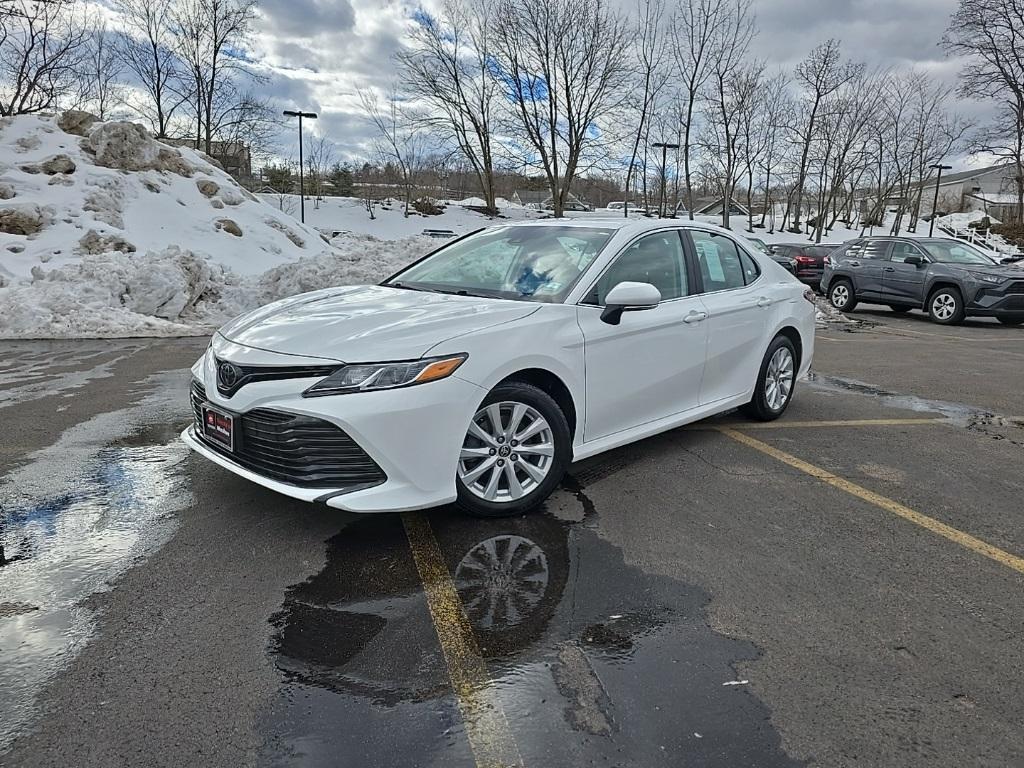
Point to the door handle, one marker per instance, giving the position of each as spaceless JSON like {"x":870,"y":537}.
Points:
{"x":695,"y":317}
{"x":890,"y":269}
{"x":853,"y":263}
{"x":764,"y":301}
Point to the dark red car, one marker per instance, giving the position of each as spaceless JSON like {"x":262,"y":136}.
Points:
{"x":810,"y":259}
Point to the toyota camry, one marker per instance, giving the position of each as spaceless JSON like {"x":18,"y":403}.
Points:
{"x":477,"y":374}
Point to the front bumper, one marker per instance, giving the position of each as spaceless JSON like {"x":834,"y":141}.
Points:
{"x":999,"y":301}
{"x":414,"y":434}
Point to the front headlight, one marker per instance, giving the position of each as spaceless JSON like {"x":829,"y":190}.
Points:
{"x":368,"y":377}
{"x":983,"y":278}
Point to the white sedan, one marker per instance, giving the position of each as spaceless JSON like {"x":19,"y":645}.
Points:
{"x":479,"y":373}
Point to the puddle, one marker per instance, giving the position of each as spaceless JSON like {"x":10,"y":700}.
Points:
{"x":72,"y":519}
{"x":592,"y":660}
{"x":60,"y":550}
{"x":957,"y":414}
{"x":32,"y":370}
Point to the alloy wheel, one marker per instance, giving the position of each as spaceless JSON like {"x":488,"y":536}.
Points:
{"x":840,"y":295}
{"x":507,"y":452}
{"x":779,"y":378}
{"x":944,"y":306}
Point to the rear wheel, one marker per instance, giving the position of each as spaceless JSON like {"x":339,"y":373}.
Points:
{"x":515,"y":452}
{"x":1011,"y":320}
{"x":775,"y":382}
{"x":946,"y":306}
{"x":841,"y":295}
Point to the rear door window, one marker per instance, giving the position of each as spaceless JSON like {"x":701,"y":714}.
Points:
{"x":718,"y":258}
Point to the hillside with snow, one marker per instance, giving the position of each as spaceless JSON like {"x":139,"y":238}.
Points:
{"x":105,"y":231}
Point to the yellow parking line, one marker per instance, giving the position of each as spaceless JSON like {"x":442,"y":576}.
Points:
{"x":929,"y":523}
{"x":812,"y":424}
{"x":840,"y":423}
{"x":488,"y":731}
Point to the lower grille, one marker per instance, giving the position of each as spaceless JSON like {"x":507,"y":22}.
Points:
{"x":294,"y":449}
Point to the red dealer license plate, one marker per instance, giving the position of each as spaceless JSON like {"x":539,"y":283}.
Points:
{"x":219,"y":427}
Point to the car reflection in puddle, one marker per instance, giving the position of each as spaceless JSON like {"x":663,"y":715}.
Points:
{"x":58,"y":551}
{"x":592,"y":659}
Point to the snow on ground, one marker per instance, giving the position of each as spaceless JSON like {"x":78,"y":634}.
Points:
{"x":348,"y":215}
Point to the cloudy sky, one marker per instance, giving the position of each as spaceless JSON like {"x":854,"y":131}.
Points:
{"x":318,"y":52}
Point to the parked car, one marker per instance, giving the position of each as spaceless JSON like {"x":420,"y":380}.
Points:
{"x":478,"y":373}
{"x":785,"y":262}
{"x":947,"y":278}
{"x":810,"y":259}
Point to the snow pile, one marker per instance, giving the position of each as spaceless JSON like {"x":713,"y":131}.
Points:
{"x":113,"y":183}
{"x":176,"y":292}
{"x":826,"y":314}
{"x":106,"y":232}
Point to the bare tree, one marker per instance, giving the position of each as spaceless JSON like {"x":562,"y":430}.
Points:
{"x":701,"y":30}
{"x":319,"y":158}
{"x":208,"y":37}
{"x":821,"y":74}
{"x":651,"y":75}
{"x":401,"y":139}
{"x":564,"y":63}
{"x":733,"y":100}
{"x":42,"y":45}
{"x":100,"y":87}
{"x":146,"y":48}
{"x":447,"y":65}
{"x":990,"y":34}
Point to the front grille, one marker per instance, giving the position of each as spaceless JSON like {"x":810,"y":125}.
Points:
{"x":1017,"y":287}
{"x":294,"y":449}
{"x":1014,"y":303}
{"x":247,"y":374}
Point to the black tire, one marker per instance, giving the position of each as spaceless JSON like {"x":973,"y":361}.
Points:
{"x":943,"y":300}
{"x":899,"y":309}
{"x":1011,"y":320}
{"x":759,"y":408}
{"x":837,"y":287}
{"x":544,"y":404}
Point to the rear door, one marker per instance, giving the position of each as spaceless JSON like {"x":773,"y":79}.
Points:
{"x":904,"y":283}
{"x":737,"y":302}
{"x":865,"y":262}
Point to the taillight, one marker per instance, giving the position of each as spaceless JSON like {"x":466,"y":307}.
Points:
{"x":809,"y":295}
{"x":805,"y":259}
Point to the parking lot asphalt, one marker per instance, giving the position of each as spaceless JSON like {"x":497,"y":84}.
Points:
{"x":839,"y":588}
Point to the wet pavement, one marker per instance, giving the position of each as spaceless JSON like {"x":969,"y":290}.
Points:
{"x":688,"y":600}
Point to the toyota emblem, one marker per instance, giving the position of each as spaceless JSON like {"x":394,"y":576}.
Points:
{"x":228,"y":375}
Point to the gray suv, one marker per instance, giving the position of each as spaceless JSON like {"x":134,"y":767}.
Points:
{"x":946,"y":278}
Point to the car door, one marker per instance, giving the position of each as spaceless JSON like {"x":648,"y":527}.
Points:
{"x":866,"y":267}
{"x":649,"y":366}
{"x":738,"y":301}
{"x":904,"y":283}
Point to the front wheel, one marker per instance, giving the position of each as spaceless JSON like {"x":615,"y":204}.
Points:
{"x":516,"y":450}
{"x":775,"y":382}
{"x":946,"y":307}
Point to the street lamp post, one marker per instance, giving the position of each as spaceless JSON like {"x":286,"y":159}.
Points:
{"x":302,"y":186}
{"x":935,"y":203}
{"x":664,"y":171}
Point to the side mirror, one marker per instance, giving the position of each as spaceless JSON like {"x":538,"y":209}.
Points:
{"x":917,"y":261}
{"x":629,"y":297}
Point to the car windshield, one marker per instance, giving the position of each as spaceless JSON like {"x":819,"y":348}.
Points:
{"x":527,"y":263}
{"x":956,"y":253}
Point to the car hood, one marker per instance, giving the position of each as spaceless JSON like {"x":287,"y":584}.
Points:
{"x":368,"y":323}
{"x":1006,"y":271}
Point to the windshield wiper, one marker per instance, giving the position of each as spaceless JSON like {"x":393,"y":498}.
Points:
{"x":404,"y":287}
